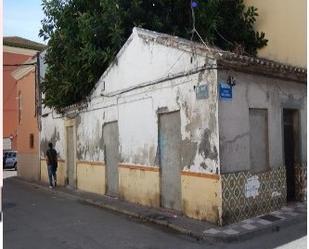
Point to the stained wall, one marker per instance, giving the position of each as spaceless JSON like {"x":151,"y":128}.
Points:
{"x":247,"y":187}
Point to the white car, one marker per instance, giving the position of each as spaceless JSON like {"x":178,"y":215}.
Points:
{"x":10,"y":160}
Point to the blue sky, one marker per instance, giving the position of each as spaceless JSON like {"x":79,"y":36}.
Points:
{"x":22,"y":18}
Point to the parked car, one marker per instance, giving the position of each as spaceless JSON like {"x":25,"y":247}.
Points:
{"x":10,"y":160}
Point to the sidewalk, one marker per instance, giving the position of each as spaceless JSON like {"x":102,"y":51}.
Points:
{"x":272,"y":222}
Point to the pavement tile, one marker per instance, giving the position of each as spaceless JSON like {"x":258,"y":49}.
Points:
{"x":248,"y":226}
{"x":292,"y":213}
{"x":300,"y":204}
{"x":281,"y":217}
{"x":287,"y":209}
{"x":264,"y":222}
{"x":248,"y":221}
{"x":212,"y":231}
{"x":276,"y":213}
{"x":230,"y":231}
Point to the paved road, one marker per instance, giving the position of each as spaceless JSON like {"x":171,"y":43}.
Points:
{"x":35,"y":218}
{"x":299,"y":243}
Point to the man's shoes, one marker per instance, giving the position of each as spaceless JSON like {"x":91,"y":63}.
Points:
{"x":50,"y":186}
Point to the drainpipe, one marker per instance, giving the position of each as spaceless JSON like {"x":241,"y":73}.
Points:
{"x":38,"y":110}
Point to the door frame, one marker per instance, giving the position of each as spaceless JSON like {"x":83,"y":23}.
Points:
{"x":297,"y":140}
{"x":70,"y":123}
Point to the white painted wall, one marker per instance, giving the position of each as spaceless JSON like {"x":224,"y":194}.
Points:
{"x":52,"y":131}
{"x":136,"y":111}
{"x":141,"y":60}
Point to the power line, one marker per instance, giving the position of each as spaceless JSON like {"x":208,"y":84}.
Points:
{"x":194,"y":31}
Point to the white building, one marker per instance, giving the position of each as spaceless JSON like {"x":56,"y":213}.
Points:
{"x":166,"y":126}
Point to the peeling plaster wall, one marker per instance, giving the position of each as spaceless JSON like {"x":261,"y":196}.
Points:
{"x":52,"y":131}
{"x":137,"y":110}
{"x":138,"y":125}
{"x":137,"y":113}
{"x":253,"y":91}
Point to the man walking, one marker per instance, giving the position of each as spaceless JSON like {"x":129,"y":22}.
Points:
{"x":52,"y":163}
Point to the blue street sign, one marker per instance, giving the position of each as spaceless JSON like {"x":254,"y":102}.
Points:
{"x":225,"y":91}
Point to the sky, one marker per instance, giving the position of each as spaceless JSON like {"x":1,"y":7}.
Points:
{"x":22,"y":18}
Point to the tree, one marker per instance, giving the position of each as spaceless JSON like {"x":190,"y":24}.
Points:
{"x":84,"y":36}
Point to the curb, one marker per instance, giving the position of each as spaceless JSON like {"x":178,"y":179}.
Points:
{"x":257,"y":232}
{"x":198,"y":236}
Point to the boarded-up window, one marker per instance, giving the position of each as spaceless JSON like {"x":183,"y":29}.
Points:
{"x":258,"y":140}
{"x":31,"y":141}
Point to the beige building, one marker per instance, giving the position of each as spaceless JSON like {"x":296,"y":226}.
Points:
{"x":27,"y":124}
{"x":284,"y":23}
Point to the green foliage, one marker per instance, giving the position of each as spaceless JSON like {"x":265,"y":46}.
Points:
{"x":85,"y":35}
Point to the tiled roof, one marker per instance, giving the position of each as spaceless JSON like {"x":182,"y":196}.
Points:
{"x":19,"y":42}
{"x":256,"y":65}
{"x":228,"y":59}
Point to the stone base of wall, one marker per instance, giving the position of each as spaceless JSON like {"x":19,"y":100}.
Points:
{"x":301,"y":183}
{"x":246,"y":195}
{"x":91,"y":177}
{"x":28,"y":166}
{"x":139,"y":184}
{"x":60,"y":172}
{"x":201,"y":196}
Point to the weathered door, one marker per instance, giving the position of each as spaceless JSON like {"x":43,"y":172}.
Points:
{"x":111,"y":152}
{"x":71,"y":181}
{"x":169,"y":147}
{"x":290,"y":124}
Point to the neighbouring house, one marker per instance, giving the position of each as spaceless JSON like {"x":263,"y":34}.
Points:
{"x":16,"y":50}
{"x":285,"y":25}
{"x":172,"y":123}
{"x":27,"y":121}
